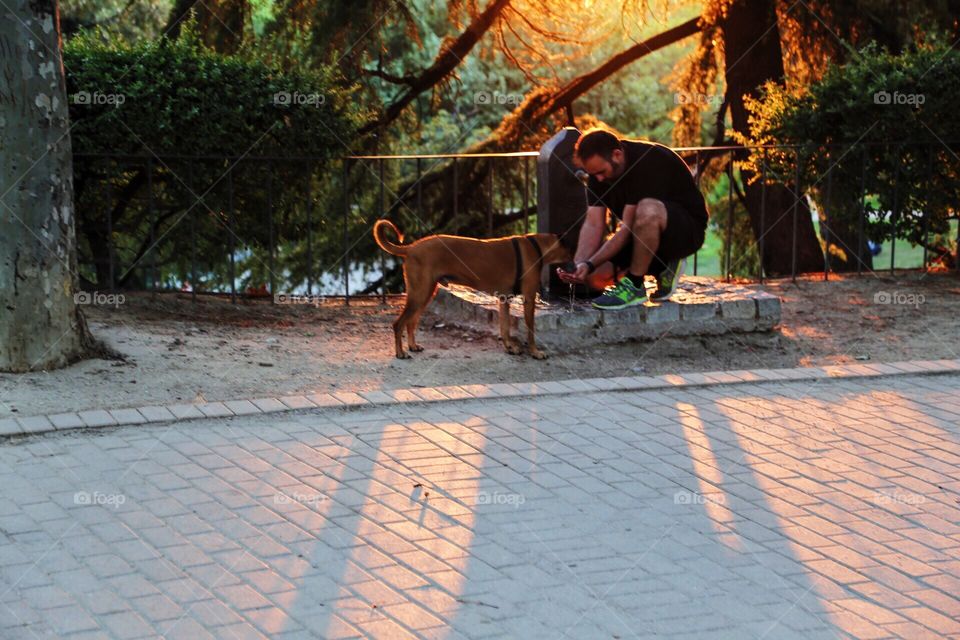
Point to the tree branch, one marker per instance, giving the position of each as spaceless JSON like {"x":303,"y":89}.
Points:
{"x":581,"y":84}
{"x":389,"y":77}
{"x":451,"y":54}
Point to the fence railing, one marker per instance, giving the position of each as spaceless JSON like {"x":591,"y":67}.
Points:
{"x":171,"y":223}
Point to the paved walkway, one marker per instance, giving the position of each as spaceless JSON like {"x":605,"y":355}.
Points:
{"x":814,"y":509}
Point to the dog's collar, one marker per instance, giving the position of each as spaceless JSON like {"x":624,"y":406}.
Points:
{"x":518,"y":256}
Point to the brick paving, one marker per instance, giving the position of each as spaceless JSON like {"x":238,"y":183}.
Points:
{"x":819,"y":508}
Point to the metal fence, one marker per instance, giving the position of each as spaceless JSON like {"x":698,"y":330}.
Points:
{"x":361,"y":205}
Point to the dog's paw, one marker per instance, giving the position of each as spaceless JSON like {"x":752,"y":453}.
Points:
{"x":513,"y":349}
{"x":403,"y":355}
{"x":416,"y":348}
{"x":538,"y":355}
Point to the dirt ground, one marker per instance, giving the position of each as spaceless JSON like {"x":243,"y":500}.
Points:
{"x":178,"y":350}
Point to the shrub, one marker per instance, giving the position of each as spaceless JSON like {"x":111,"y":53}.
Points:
{"x":197,"y":120}
{"x":878,"y":133}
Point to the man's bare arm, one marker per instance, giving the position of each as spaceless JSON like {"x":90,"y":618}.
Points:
{"x":591,"y":233}
{"x":618,"y":241}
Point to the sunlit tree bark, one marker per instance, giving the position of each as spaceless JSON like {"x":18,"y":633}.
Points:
{"x":752,"y":56}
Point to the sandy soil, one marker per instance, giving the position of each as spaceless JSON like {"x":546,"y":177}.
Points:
{"x":177,"y":350}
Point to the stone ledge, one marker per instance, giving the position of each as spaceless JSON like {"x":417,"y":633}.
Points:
{"x":701,"y":306}
{"x":11,"y":427}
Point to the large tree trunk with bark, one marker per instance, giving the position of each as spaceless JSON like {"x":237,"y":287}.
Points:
{"x":40,"y":324}
{"x":753,"y":56}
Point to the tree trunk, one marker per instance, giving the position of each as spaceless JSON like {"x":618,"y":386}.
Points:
{"x":753,"y":56}
{"x":840,"y":227}
{"x":40,"y":324}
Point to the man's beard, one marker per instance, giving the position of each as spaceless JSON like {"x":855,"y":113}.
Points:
{"x":617,"y":167}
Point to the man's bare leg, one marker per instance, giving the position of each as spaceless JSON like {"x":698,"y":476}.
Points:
{"x":649,"y":223}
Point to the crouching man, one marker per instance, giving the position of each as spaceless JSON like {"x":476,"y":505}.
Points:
{"x":662,"y":214}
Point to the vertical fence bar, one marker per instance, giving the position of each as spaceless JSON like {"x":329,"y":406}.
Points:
{"x":191,"y":173}
{"x":825,"y":225}
{"x":153,"y":226}
{"x":957,"y":259}
{"x":419,"y":190}
{"x":526,"y":194}
{"x":728,"y":249}
{"x":796,"y":215}
{"x":310,"y":273}
{"x":763,"y":209}
{"x":490,"y":184}
{"x":233,"y":249}
{"x":456,"y":187}
{"x":697,"y":179}
{"x":895,"y":212}
{"x":863,"y":210}
{"x":926,"y":218}
{"x":383,"y":259}
{"x":272,"y":239}
{"x":111,"y":256}
{"x":345,"y":247}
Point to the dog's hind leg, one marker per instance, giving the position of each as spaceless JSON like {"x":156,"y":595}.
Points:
{"x":512,"y":346}
{"x":414,"y":321}
{"x":529,"y":307}
{"x":398,"y":325}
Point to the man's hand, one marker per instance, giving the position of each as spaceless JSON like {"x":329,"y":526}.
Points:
{"x":575,"y":277}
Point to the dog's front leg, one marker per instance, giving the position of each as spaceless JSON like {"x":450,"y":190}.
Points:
{"x":512,"y":346}
{"x":529,"y":307}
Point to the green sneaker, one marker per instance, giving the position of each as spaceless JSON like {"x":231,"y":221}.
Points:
{"x":668,"y":280}
{"x":623,"y":295}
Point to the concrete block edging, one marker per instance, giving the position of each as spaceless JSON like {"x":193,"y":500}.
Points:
{"x":11,"y":427}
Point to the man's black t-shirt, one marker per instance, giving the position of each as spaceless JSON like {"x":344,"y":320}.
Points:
{"x":651,"y":171}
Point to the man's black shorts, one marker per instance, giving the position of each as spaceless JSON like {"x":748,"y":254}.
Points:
{"x":683,"y":236}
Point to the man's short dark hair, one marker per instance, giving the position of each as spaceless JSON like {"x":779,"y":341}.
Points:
{"x":597,"y":142}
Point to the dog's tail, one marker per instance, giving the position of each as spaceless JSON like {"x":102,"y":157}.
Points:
{"x":386,"y":245}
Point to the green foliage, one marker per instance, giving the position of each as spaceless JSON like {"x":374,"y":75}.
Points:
{"x":178,"y":98}
{"x":879,"y":132}
{"x":183,"y":128}
{"x":128,"y":20}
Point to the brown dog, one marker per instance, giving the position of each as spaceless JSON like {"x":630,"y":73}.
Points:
{"x":500,"y":266}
